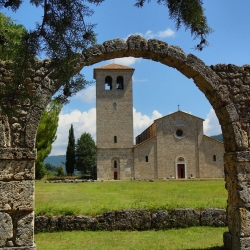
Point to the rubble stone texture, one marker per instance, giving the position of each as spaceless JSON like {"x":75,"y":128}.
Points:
{"x":133,"y":220}
{"x":226,"y":86}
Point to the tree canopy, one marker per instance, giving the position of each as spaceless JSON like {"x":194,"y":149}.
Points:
{"x":46,"y":133}
{"x":85,"y":154}
{"x":63,"y":32}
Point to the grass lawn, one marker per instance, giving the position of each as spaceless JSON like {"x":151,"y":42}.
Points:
{"x":91,"y":198}
{"x":191,"y":238}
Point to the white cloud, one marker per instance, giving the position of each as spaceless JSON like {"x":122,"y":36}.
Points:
{"x":125,"y":60}
{"x":87,"y":95}
{"x":165,"y":33}
{"x":141,"y":122}
{"x":82,"y":122}
{"x":86,"y":122}
{"x":159,"y":34}
{"x":211,"y":124}
{"x":142,"y":80}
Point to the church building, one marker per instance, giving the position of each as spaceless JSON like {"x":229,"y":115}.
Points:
{"x":174,"y":146}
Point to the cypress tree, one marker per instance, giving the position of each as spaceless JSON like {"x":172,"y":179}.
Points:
{"x":70,"y":153}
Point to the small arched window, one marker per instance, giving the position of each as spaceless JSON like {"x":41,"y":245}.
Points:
{"x":115,"y":139}
{"x":114,"y":105}
{"x":146,"y":158}
{"x":119,"y":82}
{"x":108,"y":83}
{"x":214,"y":157}
{"x":115,"y":164}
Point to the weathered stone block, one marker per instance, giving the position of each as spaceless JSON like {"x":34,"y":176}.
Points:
{"x":17,"y":195}
{"x":156,"y":46}
{"x":6,"y":228}
{"x":237,"y":170}
{"x":17,"y":170}
{"x":175,"y":57}
{"x":132,"y":220}
{"x":67,"y":223}
{"x":94,"y":53}
{"x":235,"y":138}
{"x":214,"y":217}
{"x":85,"y":223}
{"x":227,"y":114}
{"x":25,"y":230}
{"x":184,"y":217}
{"x":115,"y":45}
{"x":240,"y":243}
{"x":161,"y":220}
{"x":239,"y":221}
{"x":53,"y":224}
{"x":41,"y":224}
{"x":17,"y":153}
{"x":106,"y":221}
{"x":137,"y":43}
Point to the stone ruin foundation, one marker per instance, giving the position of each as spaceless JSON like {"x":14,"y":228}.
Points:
{"x":226,"y":87}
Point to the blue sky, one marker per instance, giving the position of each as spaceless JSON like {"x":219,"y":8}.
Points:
{"x":157,"y":89}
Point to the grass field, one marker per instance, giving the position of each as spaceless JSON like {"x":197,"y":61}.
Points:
{"x":91,"y":198}
{"x":191,"y":238}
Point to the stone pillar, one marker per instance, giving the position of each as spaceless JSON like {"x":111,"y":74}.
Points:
{"x":237,"y":174}
{"x":17,"y":174}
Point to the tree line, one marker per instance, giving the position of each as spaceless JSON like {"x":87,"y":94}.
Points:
{"x":80,"y":155}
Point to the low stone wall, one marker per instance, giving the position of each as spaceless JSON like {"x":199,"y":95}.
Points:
{"x":133,"y":220}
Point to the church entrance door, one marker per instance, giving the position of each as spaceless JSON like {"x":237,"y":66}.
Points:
{"x":115,"y":175}
{"x":181,"y":171}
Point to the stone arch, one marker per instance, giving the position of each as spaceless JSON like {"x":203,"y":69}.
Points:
{"x":225,"y":86}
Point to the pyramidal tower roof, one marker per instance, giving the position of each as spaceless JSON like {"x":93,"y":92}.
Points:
{"x":113,"y":66}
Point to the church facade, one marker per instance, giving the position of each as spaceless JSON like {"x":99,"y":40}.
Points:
{"x":174,"y":146}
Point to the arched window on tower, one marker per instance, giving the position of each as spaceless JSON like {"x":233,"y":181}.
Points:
{"x":119,"y":82}
{"x":108,"y":83}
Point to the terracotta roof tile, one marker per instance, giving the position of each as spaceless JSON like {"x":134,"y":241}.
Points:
{"x":113,"y":66}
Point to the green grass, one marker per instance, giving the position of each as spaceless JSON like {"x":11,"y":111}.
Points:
{"x":191,"y":238}
{"x":91,"y":198}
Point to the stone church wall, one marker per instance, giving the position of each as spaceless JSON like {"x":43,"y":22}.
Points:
{"x":105,"y":167}
{"x":212,"y":167}
{"x":143,"y":169}
{"x":170,"y":146}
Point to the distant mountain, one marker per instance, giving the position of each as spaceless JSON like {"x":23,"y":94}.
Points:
{"x":56,"y":160}
{"x":218,"y":137}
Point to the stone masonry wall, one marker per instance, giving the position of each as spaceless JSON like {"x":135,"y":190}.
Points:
{"x":143,"y":169}
{"x":133,"y":220}
{"x":212,"y":168}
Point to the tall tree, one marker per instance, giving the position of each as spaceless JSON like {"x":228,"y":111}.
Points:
{"x":46,"y":134}
{"x":70,"y":153}
{"x":85,"y":154}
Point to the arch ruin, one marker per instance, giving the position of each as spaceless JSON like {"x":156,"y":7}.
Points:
{"x":227,"y":87}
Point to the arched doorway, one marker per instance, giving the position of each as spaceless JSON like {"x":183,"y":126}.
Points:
{"x":180,"y":168}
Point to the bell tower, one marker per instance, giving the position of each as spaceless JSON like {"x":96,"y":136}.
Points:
{"x":114,"y":121}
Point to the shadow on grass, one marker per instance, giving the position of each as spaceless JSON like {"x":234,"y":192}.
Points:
{"x":209,"y":248}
